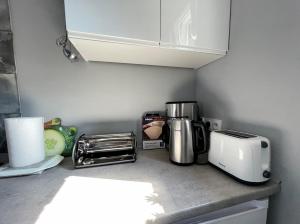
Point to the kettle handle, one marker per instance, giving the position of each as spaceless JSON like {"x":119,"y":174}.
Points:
{"x":166,"y":135}
{"x":201,"y":125}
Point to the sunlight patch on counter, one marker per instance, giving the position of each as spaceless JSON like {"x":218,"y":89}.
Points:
{"x":95,"y":200}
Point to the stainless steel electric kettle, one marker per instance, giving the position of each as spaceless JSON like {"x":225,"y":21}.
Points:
{"x":181,"y":149}
{"x":187,"y":136}
{"x":188,"y":141}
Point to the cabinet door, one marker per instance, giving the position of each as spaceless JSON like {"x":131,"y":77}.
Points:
{"x":116,"y":20}
{"x":251,"y":212}
{"x":195,"y":24}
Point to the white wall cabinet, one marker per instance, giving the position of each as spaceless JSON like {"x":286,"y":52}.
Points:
{"x":177,"y":33}
{"x":135,"y":21}
{"x":198,"y":25}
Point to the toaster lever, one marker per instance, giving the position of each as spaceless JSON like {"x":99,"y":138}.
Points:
{"x":267,"y":174}
{"x":264,"y":144}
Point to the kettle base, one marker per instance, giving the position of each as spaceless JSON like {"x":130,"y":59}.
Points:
{"x":181,"y":164}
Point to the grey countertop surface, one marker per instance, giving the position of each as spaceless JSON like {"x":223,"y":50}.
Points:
{"x":151,"y":190}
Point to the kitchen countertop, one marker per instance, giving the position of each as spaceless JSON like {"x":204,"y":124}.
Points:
{"x":151,"y":190}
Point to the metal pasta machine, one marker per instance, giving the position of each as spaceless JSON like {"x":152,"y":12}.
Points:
{"x":106,"y":149}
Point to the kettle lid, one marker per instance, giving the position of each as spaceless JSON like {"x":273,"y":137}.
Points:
{"x":180,"y":102}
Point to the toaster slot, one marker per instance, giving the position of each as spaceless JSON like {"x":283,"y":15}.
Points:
{"x":108,"y":149}
{"x":90,"y":162}
{"x":107,"y":136}
{"x":107,"y":145}
{"x":108,"y":153}
{"x":236,"y":134}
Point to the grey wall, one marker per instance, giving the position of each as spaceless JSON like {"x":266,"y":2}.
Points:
{"x":95,"y":96}
{"x":255,"y":88}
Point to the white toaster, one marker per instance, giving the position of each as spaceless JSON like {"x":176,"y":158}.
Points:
{"x":245,"y":156}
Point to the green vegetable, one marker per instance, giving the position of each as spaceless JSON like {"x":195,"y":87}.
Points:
{"x":54,"y":142}
{"x":67,"y":133}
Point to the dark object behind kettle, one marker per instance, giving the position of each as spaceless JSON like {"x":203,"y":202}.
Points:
{"x":201,"y":142}
{"x":166,"y":135}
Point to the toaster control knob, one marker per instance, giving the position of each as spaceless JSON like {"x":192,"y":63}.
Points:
{"x":267,"y":174}
{"x":264,"y":145}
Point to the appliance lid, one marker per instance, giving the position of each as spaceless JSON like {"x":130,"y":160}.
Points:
{"x":180,"y":102}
